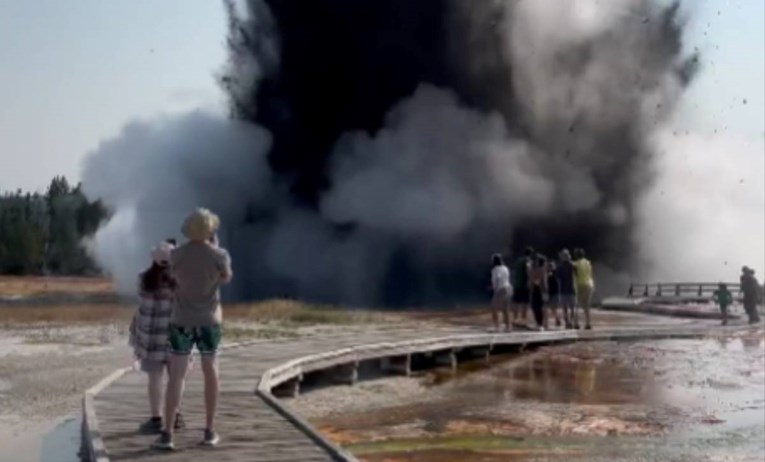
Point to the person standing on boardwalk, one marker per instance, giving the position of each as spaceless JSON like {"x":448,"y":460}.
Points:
{"x":149,"y":330}
{"x":567,"y":289}
{"x":553,"y":294}
{"x":200,"y":267}
{"x":500,"y":284}
{"x":585,"y":284}
{"x":538,"y":289}
{"x":724,"y":299}
{"x":751,"y":289}
{"x":521,"y":296}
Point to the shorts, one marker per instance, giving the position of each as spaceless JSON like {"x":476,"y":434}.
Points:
{"x":521,"y":295}
{"x":567,"y":299}
{"x":183,"y":339}
{"x":501,"y":296}
{"x":584,"y":295}
{"x":537,"y":298}
{"x":151,"y":366}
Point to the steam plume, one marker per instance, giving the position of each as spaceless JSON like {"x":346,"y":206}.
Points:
{"x":380,"y":150}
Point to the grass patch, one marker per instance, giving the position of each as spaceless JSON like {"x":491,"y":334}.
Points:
{"x":26,"y":286}
{"x":235,"y":333}
{"x":274,"y":313}
{"x":301,"y":314}
{"x":65,"y":315}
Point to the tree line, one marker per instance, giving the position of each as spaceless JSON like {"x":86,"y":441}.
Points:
{"x":44,"y":233}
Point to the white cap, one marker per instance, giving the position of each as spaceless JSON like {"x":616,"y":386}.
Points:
{"x":161,"y":253}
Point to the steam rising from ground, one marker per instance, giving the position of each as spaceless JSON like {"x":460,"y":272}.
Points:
{"x":155,"y":171}
{"x":705,"y":216}
{"x":381,"y":160}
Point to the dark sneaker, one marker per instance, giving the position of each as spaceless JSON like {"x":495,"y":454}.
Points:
{"x":180,"y":424}
{"x":164,"y":442}
{"x":211,"y":438}
{"x":588,"y":327}
{"x":151,"y":426}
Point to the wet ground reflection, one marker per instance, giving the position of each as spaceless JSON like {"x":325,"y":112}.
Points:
{"x":700,"y":400}
{"x":60,"y":441}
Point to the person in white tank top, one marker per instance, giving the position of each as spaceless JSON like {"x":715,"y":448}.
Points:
{"x":500,"y":284}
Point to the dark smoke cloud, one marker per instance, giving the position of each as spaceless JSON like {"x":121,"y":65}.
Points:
{"x":395,"y":144}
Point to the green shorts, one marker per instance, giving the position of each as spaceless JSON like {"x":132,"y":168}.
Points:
{"x":183,"y":339}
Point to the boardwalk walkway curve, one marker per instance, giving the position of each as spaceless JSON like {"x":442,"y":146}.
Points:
{"x":260,"y":427}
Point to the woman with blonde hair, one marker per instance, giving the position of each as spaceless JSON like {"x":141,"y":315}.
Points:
{"x":199,"y":267}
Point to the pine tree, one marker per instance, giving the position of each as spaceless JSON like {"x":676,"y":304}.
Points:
{"x":44,"y":233}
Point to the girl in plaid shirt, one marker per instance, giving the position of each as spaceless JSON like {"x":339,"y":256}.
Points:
{"x":150,"y":326}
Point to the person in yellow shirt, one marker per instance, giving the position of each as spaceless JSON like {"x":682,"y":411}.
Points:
{"x":585,"y":285}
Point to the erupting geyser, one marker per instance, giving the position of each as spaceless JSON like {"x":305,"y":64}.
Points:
{"x":380,"y":150}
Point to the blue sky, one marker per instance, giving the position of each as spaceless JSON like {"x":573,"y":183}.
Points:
{"x":73,"y":72}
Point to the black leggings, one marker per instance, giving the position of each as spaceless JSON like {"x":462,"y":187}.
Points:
{"x":537,"y":305}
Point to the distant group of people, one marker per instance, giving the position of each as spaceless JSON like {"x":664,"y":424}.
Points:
{"x":179,"y":309}
{"x":544,"y":286}
{"x":752,"y":296}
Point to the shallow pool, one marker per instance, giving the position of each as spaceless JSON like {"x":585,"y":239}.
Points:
{"x":684,"y":400}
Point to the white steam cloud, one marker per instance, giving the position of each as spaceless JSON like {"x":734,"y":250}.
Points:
{"x":705,"y":216}
{"x":156,"y":171}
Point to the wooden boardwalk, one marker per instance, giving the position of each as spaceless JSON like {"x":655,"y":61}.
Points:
{"x":256,"y":427}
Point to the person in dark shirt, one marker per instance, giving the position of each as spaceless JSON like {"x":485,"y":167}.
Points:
{"x":521,"y":295}
{"x":538,"y":290}
{"x":553,"y":294}
{"x":724,"y":299}
{"x":567,"y":289}
{"x":751,"y":289}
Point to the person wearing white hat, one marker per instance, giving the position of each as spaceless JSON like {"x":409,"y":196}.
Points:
{"x":150,"y":327}
{"x":200,"y":266}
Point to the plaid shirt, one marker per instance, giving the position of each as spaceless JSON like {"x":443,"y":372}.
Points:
{"x":150,"y":325}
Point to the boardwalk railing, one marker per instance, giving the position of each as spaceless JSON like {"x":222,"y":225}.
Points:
{"x":695,"y":290}
{"x":283,"y":379}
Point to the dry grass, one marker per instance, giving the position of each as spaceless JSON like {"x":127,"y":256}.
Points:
{"x":298,"y":313}
{"x":27,"y":286}
{"x":54,"y":302}
{"x":64,"y":315}
{"x":236,"y":333}
{"x":274,"y":312}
